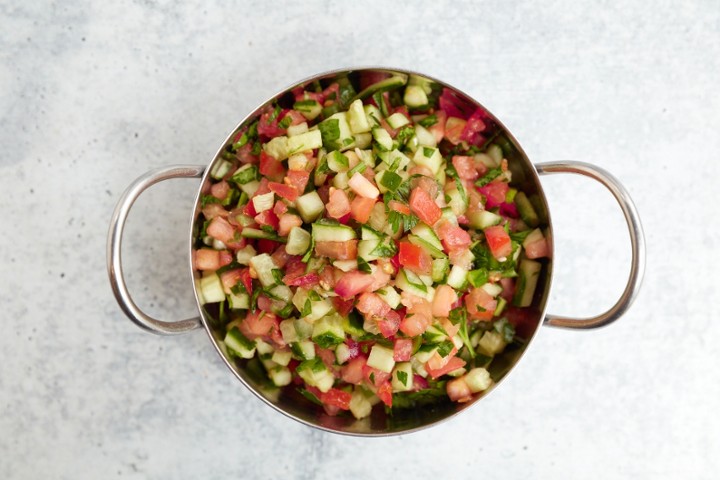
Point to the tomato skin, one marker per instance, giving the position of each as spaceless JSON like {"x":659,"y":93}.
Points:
{"x":495,"y":193}
{"x":399,"y":207}
{"x":268,"y":218}
{"x":307,"y":280}
{"x":287,"y":192}
{"x":246,"y":279}
{"x":453,"y":364}
{"x":271,"y":168}
{"x":384,"y":392}
{"x":480,"y":298}
{"x":415,"y":258}
{"x":402,"y":349}
{"x":424,"y":206}
{"x":297,"y":179}
{"x":499,"y":241}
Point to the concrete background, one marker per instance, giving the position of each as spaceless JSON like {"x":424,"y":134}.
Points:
{"x":93,"y":94}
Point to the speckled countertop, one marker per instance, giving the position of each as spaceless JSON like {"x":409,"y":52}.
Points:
{"x":93,"y":94}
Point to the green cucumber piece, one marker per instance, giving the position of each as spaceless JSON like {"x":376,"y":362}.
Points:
{"x":528,"y":275}
{"x":526,"y":210}
{"x":329,"y":231}
{"x":396,"y":81}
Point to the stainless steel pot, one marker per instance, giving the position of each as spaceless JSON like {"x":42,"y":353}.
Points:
{"x":290,"y":403}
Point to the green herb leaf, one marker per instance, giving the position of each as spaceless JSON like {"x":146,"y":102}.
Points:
{"x":330,"y":132}
{"x":307,"y":309}
{"x":428,"y":121}
{"x":363,"y":266}
{"x":489,"y":177}
{"x":402,"y":376}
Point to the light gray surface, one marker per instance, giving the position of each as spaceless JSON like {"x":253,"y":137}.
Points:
{"x":94,"y":94}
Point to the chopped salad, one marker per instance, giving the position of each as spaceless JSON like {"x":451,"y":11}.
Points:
{"x":363,"y":241}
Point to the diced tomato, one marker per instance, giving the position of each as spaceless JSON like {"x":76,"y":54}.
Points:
{"x":212,"y":210}
{"x":415,"y":258}
{"x":453,"y":364}
{"x":220,"y":229}
{"x":495,"y":193}
{"x":336,"y":397}
{"x":399,"y":207}
{"x":268,"y":123}
{"x":445,"y":297}
{"x":375,"y":377}
{"x":525,"y":320}
{"x":419,"y":383}
{"x":372,"y":303}
{"x":414,"y":325}
{"x":268,"y":219}
{"x":262,"y":187}
{"x":352,"y":372}
{"x":327,"y":276}
{"x":384,"y":393}
{"x":342,"y":306}
{"x":380,"y":279}
{"x":287,"y":222}
{"x":438,"y":130}
{"x":296,"y":118}
{"x":226,"y":258}
{"x":220,"y":190}
{"x":465,"y":167}
{"x":353,"y":348}
{"x":458,"y":390}
{"x":324,"y":193}
{"x":453,"y":129}
{"x":455,"y":105}
{"x":270,"y":167}
{"x":206,"y":259}
{"x":499,"y":241}
{"x":424,"y":207}
{"x":266,"y":246}
{"x":361,"y":208}
{"x":246,"y":279}
{"x":338,"y":205}
{"x":508,"y":286}
{"x":402,"y":349}
{"x":287,"y":192}
{"x":230,"y":278}
{"x":257,"y":324}
{"x":453,"y":237}
{"x":264,"y":303}
{"x":326,"y":355}
{"x":480,"y":305}
{"x":353,"y":283}
{"x":244,"y":154}
{"x":389,"y":324}
{"x":307,"y":280}
{"x":346,"y":250}
{"x":297,"y":179}
{"x":249,"y":209}
{"x":280,"y":257}
{"x":537,"y":249}
{"x":280,"y":208}
{"x":475,"y":124}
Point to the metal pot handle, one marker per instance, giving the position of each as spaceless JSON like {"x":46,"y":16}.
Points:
{"x":637,"y":241}
{"x":114,"y":243}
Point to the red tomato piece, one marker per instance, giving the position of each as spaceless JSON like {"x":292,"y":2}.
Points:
{"x":265,"y":304}
{"x":246,"y":280}
{"x":537,"y":249}
{"x":438,"y":130}
{"x":361,"y":208}
{"x":342,"y":306}
{"x":336,"y":397}
{"x":415,"y":258}
{"x":270,"y":167}
{"x":220,"y":229}
{"x":297,"y":179}
{"x":494,"y":193}
{"x":371,"y":303}
{"x":220,"y":190}
{"x":384,"y":392}
{"x":287,"y":192}
{"x":480,"y":305}
{"x":280,"y":208}
{"x":226,"y":258}
{"x":453,"y":364}
{"x":399,"y":207}
{"x":257,"y":324}
{"x":266,"y":246}
{"x":352,"y":372}
{"x":402,"y":349}
{"x":303,"y":280}
{"x":454,"y":128}
{"x":353,"y":283}
{"x":445,"y":298}
{"x":389,"y":324}
{"x":346,"y":250}
{"x":499,"y":241}
{"x":338,"y":204}
{"x":458,"y":390}
{"x":453,"y":237}
{"x":268,"y":218}
{"x":230,"y":278}
{"x":206,"y":259}
{"x":244,"y":154}
{"x":424,"y":206}
{"x":212,"y":210}
{"x":465,"y":167}
{"x":287,"y":222}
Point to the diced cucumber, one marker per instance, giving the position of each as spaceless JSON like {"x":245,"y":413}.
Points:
{"x":310,"y":206}
{"x":263,"y":265}
{"x":365,"y":249}
{"x":424,"y":353}
{"x":360,"y":406}
{"x":402,"y":377}
{"x":282,"y":357}
{"x":428,"y":234}
{"x":353,"y":324}
{"x":457,"y":277}
{"x":457,"y":202}
{"x":318,"y":309}
{"x":340,"y":181}
{"x":297,"y":162}
{"x":245,"y":174}
{"x":345,"y":265}
{"x":211,"y":288}
{"x":248,"y":232}
{"x":316,"y":374}
{"x":483,"y":219}
{"x":250,"y":188}
{"x":309,"y":109}
{"x":528,"y":274}
{"x":369,"y":233}
{"x":434,"y":252}
{"x":440,"y":269}
{"x":429,"y":157}
{"x":396,"y":81}
{"x":383,"y":139}
{"x":492,"y":289}
{"x":381,"y":358}
{"x":304,"y":349}
{"x":425,"y":138}
{"x":390,"y":295}
{"x":298,"y":241}
{"x":295,"y":130}
{"x":534,"y":236}
{"x":303,"y":329}
{"x":327,"y":231}
{"x":288,"y":332}
{"x":387,"y":181}
{"x":373,"y":115}
{"x":280,"y":376}
{"x":277,"y":148}
{"x":526,"y":210}
{"x":328,"y":331}
{"x":409,"y":282}
{"x":357,"y":119}
{"x":304,"y":142}
{"x":240,"y":301}
{"x":244,"y":255}
{"x":342,"y":353}
{"x":220,"y":169}
{"x":396,"y":157}
{"x":336,"y":134}
{"x":415,"y":96}
{"x":434,"y":334}
{"x":501,"y":304}
{"x":495,"y":152}
{"x":263,"y":202}
{"x":337,"y":162}
{"x":491,"y":343}
{"x":239,"y":344}
{"x":397,"y":120}
{"x":478,"y":379}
